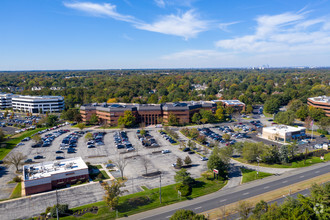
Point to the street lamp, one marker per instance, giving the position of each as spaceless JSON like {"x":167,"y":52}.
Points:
{"x":258,"y":159}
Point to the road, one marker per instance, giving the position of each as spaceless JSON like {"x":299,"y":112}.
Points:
{"x":235,"y":194}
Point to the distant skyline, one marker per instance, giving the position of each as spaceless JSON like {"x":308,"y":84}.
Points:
{"x":148,"y":34}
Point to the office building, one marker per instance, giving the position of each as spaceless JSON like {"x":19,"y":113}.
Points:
{"x":38,"y":104}
{"x":5,"y":100}
{"x":322,"y":102}
{"x":283,"y":133}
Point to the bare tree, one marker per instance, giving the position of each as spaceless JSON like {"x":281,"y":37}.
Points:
{"x":121,"y":163}
{"x":15,"y":159}
{"x":145,"y":162}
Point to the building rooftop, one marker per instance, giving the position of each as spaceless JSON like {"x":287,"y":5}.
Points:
{"x":282,"y":129}
{"x":36,"y":97}
{"x":46,"y":169}
{"x":324,"y":99}
{"x":232,"y":102}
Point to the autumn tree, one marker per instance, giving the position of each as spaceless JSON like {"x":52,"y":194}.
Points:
{"x":128,"y":119}
{"x":112,"y":193}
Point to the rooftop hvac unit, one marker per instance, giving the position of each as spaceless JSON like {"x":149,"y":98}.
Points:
{"x":57,"y":163}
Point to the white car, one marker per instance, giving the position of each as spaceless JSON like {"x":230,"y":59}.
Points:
{"x":166,"y":151}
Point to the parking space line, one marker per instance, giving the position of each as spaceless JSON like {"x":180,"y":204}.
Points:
{"x":285,"y":181}
{"x":223,"y":200}
{"x":198,"y":207}
{"x":246,"y":193}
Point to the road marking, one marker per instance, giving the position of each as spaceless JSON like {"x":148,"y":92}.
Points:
{"x":246,"y":193}
{"x":266,"y":187}
{"x":198,"y":207}
{"x":317,"y":171}
{"x":285,"y":181}
{"x":223,"y":200}
{"x":168,"y":216}
{"x":302,"y":176}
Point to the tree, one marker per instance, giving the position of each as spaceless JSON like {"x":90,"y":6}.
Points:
{"x":121,"y":164}
{"x":112,"y":193}
{"x":244,"y":208}
{"x":187,"y":160}
{"x":94,"y":119}
{"x":316,"y":113}
{"x":191,"y":144}
{"x":308,"y":122}
{"x":15,"y":159}
{"x":186,"y":215}
{"x":295,"y":104}
{"x":2,"y":135}
{"x":226,"y":137}
{"x":215,"y":162}
{"x":61,"y":209}
{"x":145,"y":162}
{"x":81,"y":126}
{"x":272,"y":105}
{"x":286,"y":118}
{"x":207,"y":114}
{"x":36,"y":138}
{"x":51,"y":120}
{"x":182,"y":176}
{"x":293,"y":149}
{"x":88,"y":136}
{"x":196,"y":118}
{"x":302,"y":112}
{"x":249,"y":109}
{"x":128,"y":120}
{"x":172,"y":120}
{"x":179,"y":162}
{"x":252,"y":151}
{"x":324,"y":123}
{"x":220,"y":114}
{"x":260,"y":208}
{"x":284,"y":154}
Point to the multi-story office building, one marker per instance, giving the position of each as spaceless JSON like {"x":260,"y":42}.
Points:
{"x":38,"y":104}
{"x":45,"y":176}
{"x":5,"y":100}
{"x":322,"y":102}
{"x":148,"y":114}
{"x":236,"y":104}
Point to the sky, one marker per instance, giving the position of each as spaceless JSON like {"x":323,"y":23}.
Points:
{"x":139,"y":34}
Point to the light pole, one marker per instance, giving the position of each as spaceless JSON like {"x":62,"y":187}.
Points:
{"x":160,"y":188}
{"x":258,"y":159}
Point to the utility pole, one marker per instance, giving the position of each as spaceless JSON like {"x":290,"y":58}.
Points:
{"x":160,"y":188}
{"x":57,"y":205}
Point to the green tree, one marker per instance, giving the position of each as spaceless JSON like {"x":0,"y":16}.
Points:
{"x":286,"y":118}
{"x":216,"y":162}
{"x":295,"y":104}
{"x":316,"y":113}
{"x":2,"y":135}
{"x":179,"y":162}
{"x":172,"y":120}
{"x":260,"y":209}
{"x":187,"y":160}
{"x":302,"y":112}
{"x":36,"y":138}
{"x":186,"y":215}
{"x":220,"y":114}
{"x":51,"y":120}
{"x":112,"y":193}
{"x":272,"y":105}
{"x":226,"y":137}
{"x":249,"y":109}
{"x":182,"y":176}
{"x":324,"y":123}
{"x":81,"y":126}
{"x":293,"y":149}
{"x":128,"y":120}
{"x":207,"y":114}
{"x":252,"y":151}
{"x":93,"y":119}
{"x":196,"y":118}
{"x":88,"y":136}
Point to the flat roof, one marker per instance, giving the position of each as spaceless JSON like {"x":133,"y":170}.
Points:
{"x":232,"y":102}
{"x":46,"y":169}
{"x":282,"y":129}
{"x":324,"y":99}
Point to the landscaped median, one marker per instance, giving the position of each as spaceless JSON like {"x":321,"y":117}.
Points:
{"x":149,"y":199}
{"x":230,"y":209}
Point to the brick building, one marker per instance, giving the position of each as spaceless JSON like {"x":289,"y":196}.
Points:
{"x":148,"y":114}
{"x":46,"y":176}
{"x":322,"y":102}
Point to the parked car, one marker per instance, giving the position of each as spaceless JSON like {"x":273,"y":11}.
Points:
{"x":91,"y":146}
{"x":26,"y":139}
{"x":38,"y":157}
{"x":59,"y":152}
{"x":59,"y":158}
{"x":71,"y":150}
{"x":166,"y":151}
{"x":204,"y":158}
{"x":186,"y":149}
{"x":110,"y":165}
{"x":28,"y":161}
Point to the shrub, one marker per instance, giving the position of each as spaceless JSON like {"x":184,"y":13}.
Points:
{"x":17,"y":179}
{"x":138,"y":201}
{"x":321,"y":131}
{"x":184,"y":189}
{"x":63,"y":210}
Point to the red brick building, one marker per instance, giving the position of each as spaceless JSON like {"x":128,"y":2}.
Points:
{"x":322,"y":102}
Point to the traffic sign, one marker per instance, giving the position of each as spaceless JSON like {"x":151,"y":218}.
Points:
{"x":215,"y":171}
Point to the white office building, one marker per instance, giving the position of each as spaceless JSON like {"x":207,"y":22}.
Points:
{"x":38,"y":104}
{"x":5,"y":100}
{"x":283,"y":133}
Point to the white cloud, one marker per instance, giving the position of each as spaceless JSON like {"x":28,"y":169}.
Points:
{"x":186,"y":25}
{"x":160,"y":3}
{"x":105,"y":9}
{"x":192,"y":54}
{"x":224,"y":26}
{"x":284,"y":32}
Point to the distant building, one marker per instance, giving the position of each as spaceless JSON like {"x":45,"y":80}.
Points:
{"x":322,"y":102}
{"x":46,"y":176}
{"x":5,"y":100}
{"x":37,"y":88}
{"x":283,"y":133}
{"x":38,"y":104}
{"x":148,"y":114}
{"x":236,"y":104}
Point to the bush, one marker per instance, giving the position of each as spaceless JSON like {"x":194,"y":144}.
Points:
{"x":138,"y":201}
{"x":184,"y":189}
{"x":17,"y":179}
{"x":63,"y":210}
{"x":325,"y":132}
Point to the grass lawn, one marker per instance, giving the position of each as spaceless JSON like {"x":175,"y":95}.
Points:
{"x":250,"y":175}
{"x":310,"y":161}
{"x":315,"y":133}
{"x":12,"y":142}
{"x":129,"y":204}
{"x":98,"y":175}
{"x":98,"y":166}
{"x":105,"y":175}
{"x":17,"y":191}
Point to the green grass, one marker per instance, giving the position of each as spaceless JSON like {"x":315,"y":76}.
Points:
{"x":98,"y":166}
{"x":298,"y":164}
{"x":105,"y":175}
{"x":250,"y":175}
{"x":17,"y":191}
{"x":315,"y":133}
{"x":169,"y":196}
{"x":268,"y":115}
{"x":12,"y":142}
{"x":144,"y":188}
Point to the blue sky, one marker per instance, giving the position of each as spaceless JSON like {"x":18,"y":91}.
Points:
{"x":113,"y":34}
